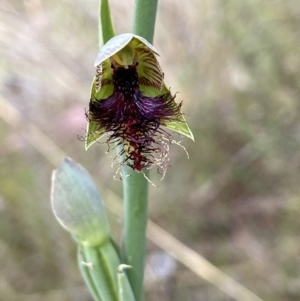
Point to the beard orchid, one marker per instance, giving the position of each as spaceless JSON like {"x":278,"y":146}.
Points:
{"x":131,"y":104}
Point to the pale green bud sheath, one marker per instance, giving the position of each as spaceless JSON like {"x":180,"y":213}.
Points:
{"x":77,"y":204}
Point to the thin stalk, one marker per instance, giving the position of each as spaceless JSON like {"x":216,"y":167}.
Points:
{"x":144,"y":18}
{"x":135,"y":192}
{"x":135,"y":185}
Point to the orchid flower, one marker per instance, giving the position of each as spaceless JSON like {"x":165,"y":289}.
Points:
{"x":131,"y":104}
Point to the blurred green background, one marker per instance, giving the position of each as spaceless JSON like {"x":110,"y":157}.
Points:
{"x":235,"y":201}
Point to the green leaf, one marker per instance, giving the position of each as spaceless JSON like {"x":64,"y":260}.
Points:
{"x":99,"y":267}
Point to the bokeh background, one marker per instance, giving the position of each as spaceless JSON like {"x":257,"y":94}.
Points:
{"x":235,"y":201}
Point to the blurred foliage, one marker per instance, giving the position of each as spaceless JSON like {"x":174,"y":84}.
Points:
{"x":236,"y":65}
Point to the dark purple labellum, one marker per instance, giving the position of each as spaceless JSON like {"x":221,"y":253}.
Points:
{"x":134,"y":120}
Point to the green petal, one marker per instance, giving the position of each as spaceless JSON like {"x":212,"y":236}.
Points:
{"x":149,"y":72}
{"x":102,"y":88}
{"x":103,"y":83}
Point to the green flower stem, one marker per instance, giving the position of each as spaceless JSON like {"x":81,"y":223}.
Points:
{"x":135,"y":221}
{"x":136,"y":185}
{"x":144,"y":19}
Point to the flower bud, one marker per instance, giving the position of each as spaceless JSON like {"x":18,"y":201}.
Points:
{"x":77,"y":204}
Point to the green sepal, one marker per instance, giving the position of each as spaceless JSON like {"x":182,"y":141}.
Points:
{"x":180,"y":127}
{"x":117,"y":43}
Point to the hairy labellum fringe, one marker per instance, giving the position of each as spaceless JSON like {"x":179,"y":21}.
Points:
{"x":134,"y":121}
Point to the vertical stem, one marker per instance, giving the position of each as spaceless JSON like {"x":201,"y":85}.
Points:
{"x":135,"y":185}
{"x":135,"y":191}
{"x":144,"y":18}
